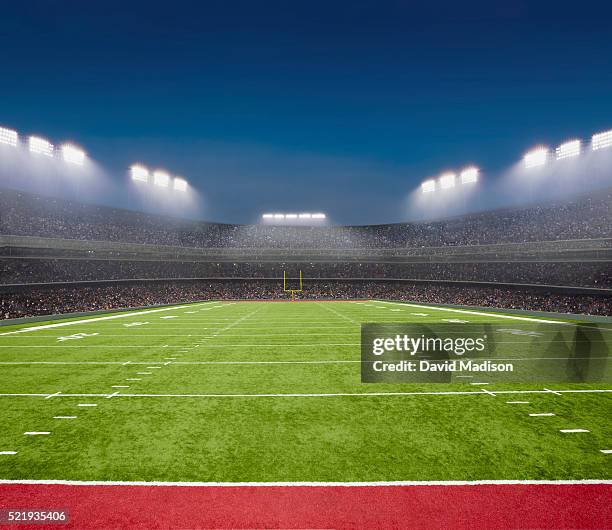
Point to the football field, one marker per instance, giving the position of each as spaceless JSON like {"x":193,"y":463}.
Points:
{"x":257,"y":392}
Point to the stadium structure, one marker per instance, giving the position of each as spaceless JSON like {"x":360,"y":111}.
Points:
{"x":172,"y":363}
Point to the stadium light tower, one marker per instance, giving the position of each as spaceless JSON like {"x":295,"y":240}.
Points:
{"x":73,"y":155}
{"x":179,"y":184}
{"x":8,"y":137}
{"x":447,"y":181}
{"x":601,"y":140}
{"x":536,"y":157}
{"x":469,"y":175}
{"x":161,"y":179}
{"x":40,"y":146}
{"x":428,"y":186}
{"x":568,"y":149}
{"x":139,"y":173}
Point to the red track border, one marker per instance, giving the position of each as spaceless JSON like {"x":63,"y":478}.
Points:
{"x":498,"y":506}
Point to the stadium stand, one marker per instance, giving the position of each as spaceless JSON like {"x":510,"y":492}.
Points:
{"x":587,"y":217}
{"x":553,"y":257}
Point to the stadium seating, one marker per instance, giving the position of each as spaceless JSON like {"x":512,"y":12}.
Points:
{"x":552,"y":257}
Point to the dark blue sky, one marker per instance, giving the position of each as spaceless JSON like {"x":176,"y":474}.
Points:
{"x":343,"y":107}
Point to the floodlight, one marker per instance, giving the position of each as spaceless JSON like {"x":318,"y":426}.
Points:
{"x":161,"y":178}
{"x":428,"y":186}
{"x":568,"y":149}
{"x":279,"y":216}
{"x":40,"y":146}
{"x":318,"y":216}
{"x":73,"y":154}
{"x":139,"y":173}
{"x":291,"y":216}
{"x":268,"y":216}
{"x":536,"y":157}
{"x":601,"y":140}
{"x":469,"y":175}
{"x":8,"y":137}
{"x":179,"y":184}
{"x":447,"y":181}
{"x":305,"y":216}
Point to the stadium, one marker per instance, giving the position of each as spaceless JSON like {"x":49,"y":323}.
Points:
{"x":162,"y":367}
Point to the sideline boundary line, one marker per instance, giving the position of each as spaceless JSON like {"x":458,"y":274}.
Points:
{"x":96,"y":319}
{"x":479,"y":313}
{"x":337,"y":394}
{"x":310,"y":484}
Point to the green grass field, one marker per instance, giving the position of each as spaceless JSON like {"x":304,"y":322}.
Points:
{"x":271,"y":391}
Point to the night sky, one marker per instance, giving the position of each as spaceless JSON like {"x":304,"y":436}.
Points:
{"x":340,"y":107}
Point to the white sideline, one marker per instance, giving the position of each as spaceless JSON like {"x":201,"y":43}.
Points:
{"x":96,"y":319}
{"x":482,"y":392}
{"x":479,"y":313}
{"x":310,"y":484}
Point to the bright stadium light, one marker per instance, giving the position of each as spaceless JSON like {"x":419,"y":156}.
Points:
{"x":568,"y":149}
{"x":469,"y":175}
{"x":279,"y":216}
{"x":536,"y":157}
{"x":318,"y":216}
{"x":428,"y":186}
{"x":268,"y":216}
{"x":447,"y":181}
{"x":291,"y":216}
{"x":161,"y":178}
{"x":305,"y":216}
{"x":139,"y":173}
{"x":601,"y":140}
{"x":40,"y":146}
{"x":179,"y":184}
{"x":73,"y":154}
{"x":8,"y":137}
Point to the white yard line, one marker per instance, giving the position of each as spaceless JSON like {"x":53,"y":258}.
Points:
{"x":540,"y":414}
{"x":173,"y":359}
{"x":36,"y":433}
{"x":399,"y":483}
{"x":337,"y":313}
{"x":8,"y":452}
{"x":606,"y":451}
{"x":573,"y":430}
{"x":64,"y":417}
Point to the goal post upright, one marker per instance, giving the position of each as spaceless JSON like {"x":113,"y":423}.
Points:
{"x":292,"y":291}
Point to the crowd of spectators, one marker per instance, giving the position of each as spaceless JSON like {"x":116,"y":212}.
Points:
{"x":22,"y":214}
{"x":45,"y":301}
{"x":589,"y":216}
{"x":568,"y":273}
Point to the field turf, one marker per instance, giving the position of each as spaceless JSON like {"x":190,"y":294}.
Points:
{"x":271,"y":392}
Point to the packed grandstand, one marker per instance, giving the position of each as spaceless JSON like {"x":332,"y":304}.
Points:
{"x":58,"y":256}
